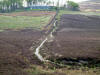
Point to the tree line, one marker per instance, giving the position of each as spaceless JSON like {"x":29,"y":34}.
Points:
{"x":11,"y":5}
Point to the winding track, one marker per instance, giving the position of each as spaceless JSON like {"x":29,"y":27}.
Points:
{"x":38,"y":49}
{"x":39,"y":56}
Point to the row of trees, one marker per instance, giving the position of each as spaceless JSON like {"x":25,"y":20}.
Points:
{"x":45,"y":2}
{"x":11,"y":5}
{"x":33,"y":2}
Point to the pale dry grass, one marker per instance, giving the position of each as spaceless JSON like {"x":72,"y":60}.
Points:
{"x":39,"y":70}
{"x":80,"y":72}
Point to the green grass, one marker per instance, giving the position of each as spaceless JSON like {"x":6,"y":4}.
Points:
{"x":21,"y":22}
{"x":1,"y":30}
{"x":76,"y":12}
{"x":23,"y":10}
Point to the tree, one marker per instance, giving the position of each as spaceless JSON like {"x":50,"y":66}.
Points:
{"x":10,"y":5}
{"x":49,"y":2}
{"x":29,"y":2}
{"x":72,"y":5}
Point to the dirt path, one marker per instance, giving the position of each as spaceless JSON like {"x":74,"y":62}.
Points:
{"x":30,"y":13}
{"x":40,"y":57}
{"x":48,"y":37}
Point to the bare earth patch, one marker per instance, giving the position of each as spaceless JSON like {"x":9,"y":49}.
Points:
{"x":17,"y":46}
{"x":29,"y":13}
{"x":78,"y":36}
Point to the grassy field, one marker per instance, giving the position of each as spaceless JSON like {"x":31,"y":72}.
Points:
{"x":21,"y":22}
{"x":76,"y":12}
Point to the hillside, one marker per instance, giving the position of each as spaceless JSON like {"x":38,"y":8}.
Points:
{"x":92,"y":6}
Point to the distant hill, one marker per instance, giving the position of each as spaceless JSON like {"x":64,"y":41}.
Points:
{"x":94,"y":0}
{"x":91,"y":5}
